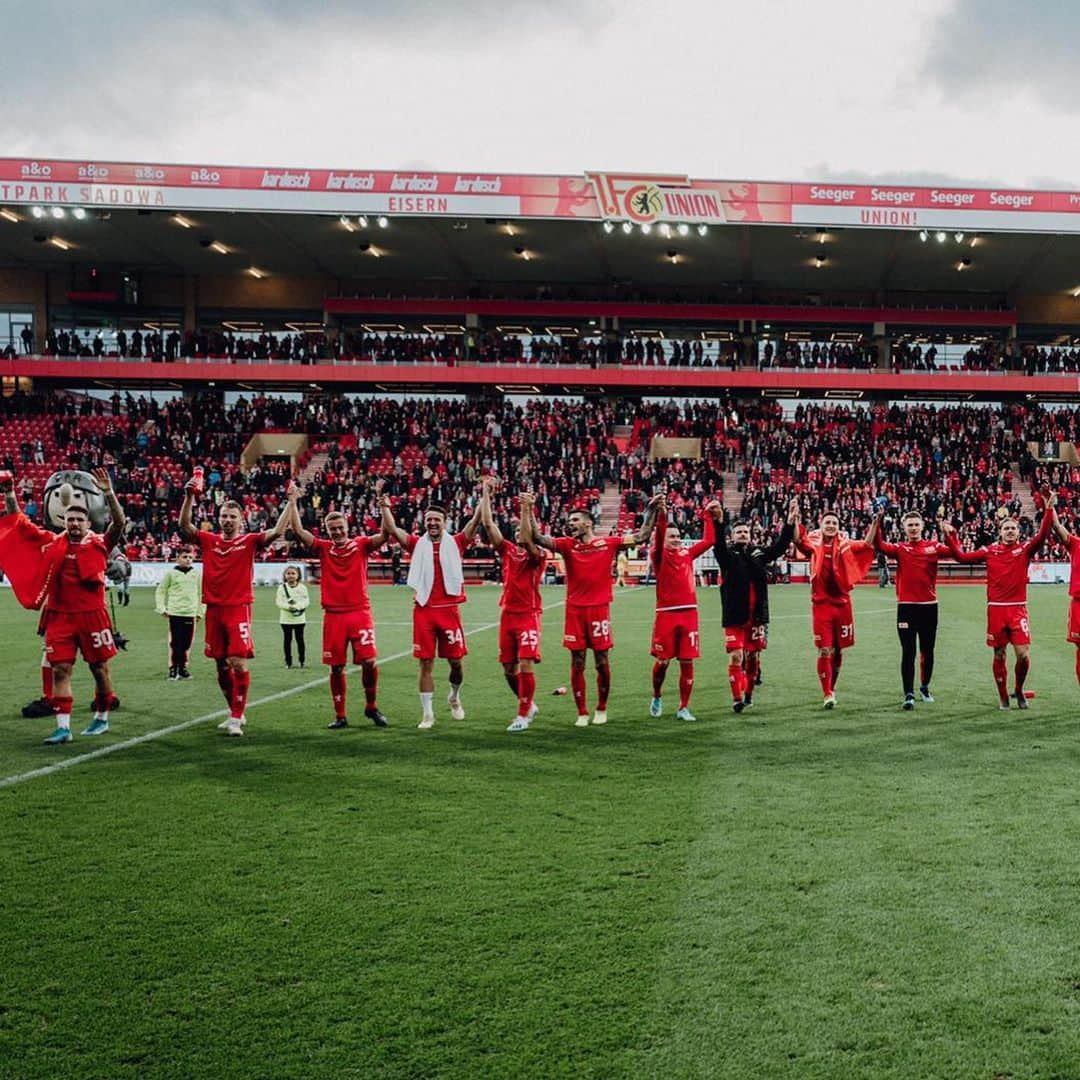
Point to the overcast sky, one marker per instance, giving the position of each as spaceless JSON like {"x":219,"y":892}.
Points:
{"x":923,"y":90}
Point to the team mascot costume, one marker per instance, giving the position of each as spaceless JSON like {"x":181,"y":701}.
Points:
{"x":68,"y":487}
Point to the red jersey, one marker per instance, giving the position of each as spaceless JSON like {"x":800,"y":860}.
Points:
{"x":588,"y":569}
{"x":916,"y":569}
{"x":68,"y":591}
{"x":522,"y":574}
{"x":825,"y":588}
{"x":674,"y":568}
{"x":343,"y":584}
{"x":439,"y":596}
{"x":1074,"y":559}
{"x":229,"y":567}
{"x":1006,"y":564}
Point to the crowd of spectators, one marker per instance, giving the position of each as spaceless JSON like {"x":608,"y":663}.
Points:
{"x":966,"y":462}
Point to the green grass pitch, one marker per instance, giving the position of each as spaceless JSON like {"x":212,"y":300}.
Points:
{"x":790,"y":892}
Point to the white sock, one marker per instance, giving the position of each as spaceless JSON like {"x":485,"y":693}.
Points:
{"x":104,"y":715}
{"x":425,"y":702}
{"x":63,"y":720}
{"x":455,"y":692}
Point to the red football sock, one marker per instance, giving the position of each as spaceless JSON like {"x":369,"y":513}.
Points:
{"x":603,"y":687}
{"x":47,"y":679}
{"x":369,"y":678}
{"x":101,"y":702}
{"x":686,"y":683}
{"x":1078,"y":665}
{"x":577,"y":688}
{"x":837,"y":660}
{"x":241,"y":683}
{"x":924,"y":675}
{"x":526,"y":692}
{"x":339,"y":692}
{"x":512,"y":682}
{"x":751,"y":669}
{"x":825,"y":674}
{"x":660,"y":670}
{"x":1023,"y":664}
{"x":225,"y":681}
{"x":736,"y":679}
{"x":62,"y":705}
{"x":1001,"y":677}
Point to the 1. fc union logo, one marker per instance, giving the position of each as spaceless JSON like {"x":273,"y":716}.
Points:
{"x":644,"y":199}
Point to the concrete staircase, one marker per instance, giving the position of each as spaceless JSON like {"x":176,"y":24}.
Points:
{"x":312,"y":469}
{"x":610,"y":501}
{"x":1022,"y":490}
{"x":733,"y":497}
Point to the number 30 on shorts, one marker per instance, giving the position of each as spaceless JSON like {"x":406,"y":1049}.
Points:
{"x":101,"y":638}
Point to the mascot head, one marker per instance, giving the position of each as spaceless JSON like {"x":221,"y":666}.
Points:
{"x":71,"y":488}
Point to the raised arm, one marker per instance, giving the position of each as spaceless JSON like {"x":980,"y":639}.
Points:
{"x":281,"y":526}
{"x":305,"y":536}
{"x":472,"y":524}
{"x":780,"y":545}
{"x":115,"y":532}
{"x":187,"y":526}
{"x":956,"y":551}
{"x":656,"y":504}
{"x":487,"y":519}
{"x":1045,"y":526}
{"x":1060,"y":531}
{"x":390,"y":526}
{"x":708,"y":537}
{"x":529,"y":536}
{"x":657,"y":554}
{"x":11,"y":500}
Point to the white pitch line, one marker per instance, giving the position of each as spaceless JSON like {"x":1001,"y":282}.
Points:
{"x":172,"y":729}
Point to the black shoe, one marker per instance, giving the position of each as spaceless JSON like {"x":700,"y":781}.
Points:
{"x":909,"y":702}
{"x":1021,"y":700}
{"x":338,"y":724}
{"x":184,"y":673}
{"x":739,"y":706}
{"x":173,"y":674}
{"x":376,"y":717}
{"x":37,"y":709}
{"x":288,"y":664}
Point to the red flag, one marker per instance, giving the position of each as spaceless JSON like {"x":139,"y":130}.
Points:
{"x":22,"y":557}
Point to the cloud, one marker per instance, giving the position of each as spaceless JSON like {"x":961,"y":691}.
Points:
{"x":986,"y":50}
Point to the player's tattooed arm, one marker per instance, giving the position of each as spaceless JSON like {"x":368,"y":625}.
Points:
{"x":390,"y":526}
{"x":657,"y":504}
{"x":11,"y":502}
{"x":487,"y":518}
{"x":115,"y":532}
{"x":1060,"y":531}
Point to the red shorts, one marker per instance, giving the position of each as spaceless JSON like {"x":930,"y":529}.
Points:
{"x":88,"y":632}
{"x":675,"y":635}
{"x":340,"y":629}
{"x":750,"y":637}
{"x":588,"y":628}
{"x":834,"y":625}
{"x":519,"y":636}
{"x":228,"y":631}
{"x":1007,"y":624}
{"x":438,"y":632}
{"x":1074,"y":621}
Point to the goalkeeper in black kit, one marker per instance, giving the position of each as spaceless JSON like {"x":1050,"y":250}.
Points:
{"x":744,"y":596}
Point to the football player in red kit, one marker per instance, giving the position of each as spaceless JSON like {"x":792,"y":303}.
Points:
{"x":587,"y":625}
{"x":1007,"y":564}
{"x":347,"y":620}
{"x":837,"y":565}
{"x":1072,"y":543}
{"x":228,"y":560}
{"x":68,"y":571}
{"x":437,"y":578}
{"x":521,"y":618}
{"x":675,"y":633}
{"x":916,"y":601}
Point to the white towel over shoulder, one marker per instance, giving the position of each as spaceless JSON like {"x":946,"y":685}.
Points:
{"x":422,"y":567}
